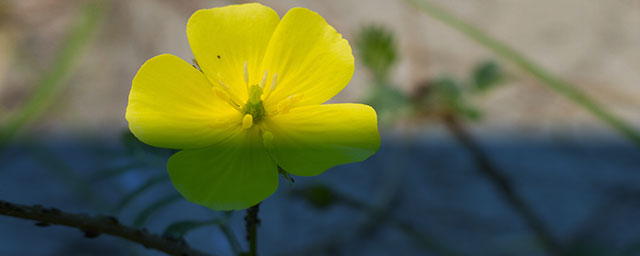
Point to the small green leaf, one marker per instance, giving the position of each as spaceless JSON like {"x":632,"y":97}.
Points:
{"x":320,"y":196}
{"x":468,"y":111}
{"x":388,"y":101}
{"x":142,"y":217}
{"x":179,"y":229}
{"x":376,"y":47}
{"x":129,"y":197}
{"x":448,"y":89}
{"x":486,"y":75}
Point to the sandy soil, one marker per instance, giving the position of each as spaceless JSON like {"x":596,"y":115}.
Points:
{"x":594,"y":44}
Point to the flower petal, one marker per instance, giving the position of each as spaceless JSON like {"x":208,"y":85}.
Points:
{"x":234,"y":174}
{"x":309,"y":57}
{"x":171,"y":105}
{"x":223,"y":39}
{"x":308,"y":140}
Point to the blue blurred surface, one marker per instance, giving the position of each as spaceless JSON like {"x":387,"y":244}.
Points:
{"x":585,"y":192}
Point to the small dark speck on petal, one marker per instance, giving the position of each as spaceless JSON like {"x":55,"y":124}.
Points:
{"x":218,"y":56}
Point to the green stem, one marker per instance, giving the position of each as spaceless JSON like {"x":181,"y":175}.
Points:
{"x":252,"y":221}
{"x":233,"y":242}
{"x":50,"y":83}
{"x":562,"y":87}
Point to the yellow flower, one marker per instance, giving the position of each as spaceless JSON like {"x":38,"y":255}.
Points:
{"x":256,"y":105}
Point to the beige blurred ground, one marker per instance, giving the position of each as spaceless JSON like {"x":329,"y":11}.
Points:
{"x":594,"y":44}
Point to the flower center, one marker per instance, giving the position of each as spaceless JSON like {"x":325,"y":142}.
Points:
{"x":253,"y":109}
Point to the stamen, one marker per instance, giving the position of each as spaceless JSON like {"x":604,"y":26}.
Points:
{"x":264,"y":79}
{"x":246,"y":73}
{"x":273,"y":87}
{"x":226,"y":96}
{"x":275,"y":80}
{"x":285,"y":105}
{"x":220,"y":81}
{"x":247,"y":121}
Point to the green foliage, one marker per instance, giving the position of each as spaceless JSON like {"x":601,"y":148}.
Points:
{"x":444,"y":95}
{"x":318,"y":195}
{"x":388,"y":101}
{"x":572,"y":92}
{"x":448,"y":95}
{"x":486,"y":75}
{"x":377,"y":49}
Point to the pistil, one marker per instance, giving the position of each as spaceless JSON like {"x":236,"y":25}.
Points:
{"x":254,"y":106}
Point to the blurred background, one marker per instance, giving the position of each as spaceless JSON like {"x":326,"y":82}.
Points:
{"x":514,"y":132}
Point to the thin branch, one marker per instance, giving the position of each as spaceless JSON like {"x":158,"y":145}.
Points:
{"x":252,"y":221}
{"x":425,"y":240}
{"x":377,"y":215}
{"x":93,"y":226}
{"x":503,"y":185}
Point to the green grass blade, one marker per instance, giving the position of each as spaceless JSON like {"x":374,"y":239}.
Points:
{"x":233,"y":240}
{"x":560,"y":86}
{"x":112,"y":172}
{"x":181,"y":228}
{"x":62,"y":170}
{"x":135,"y":193}
{"x":144,"y":215}
{"x":51,"y":83}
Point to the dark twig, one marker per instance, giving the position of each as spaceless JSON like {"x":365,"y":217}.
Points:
{"x":502,"y":184}
{"x":252,"y":221}
{"x":425,"y":240}
{"x":93,"y":226}
{"x":376,"y":215}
